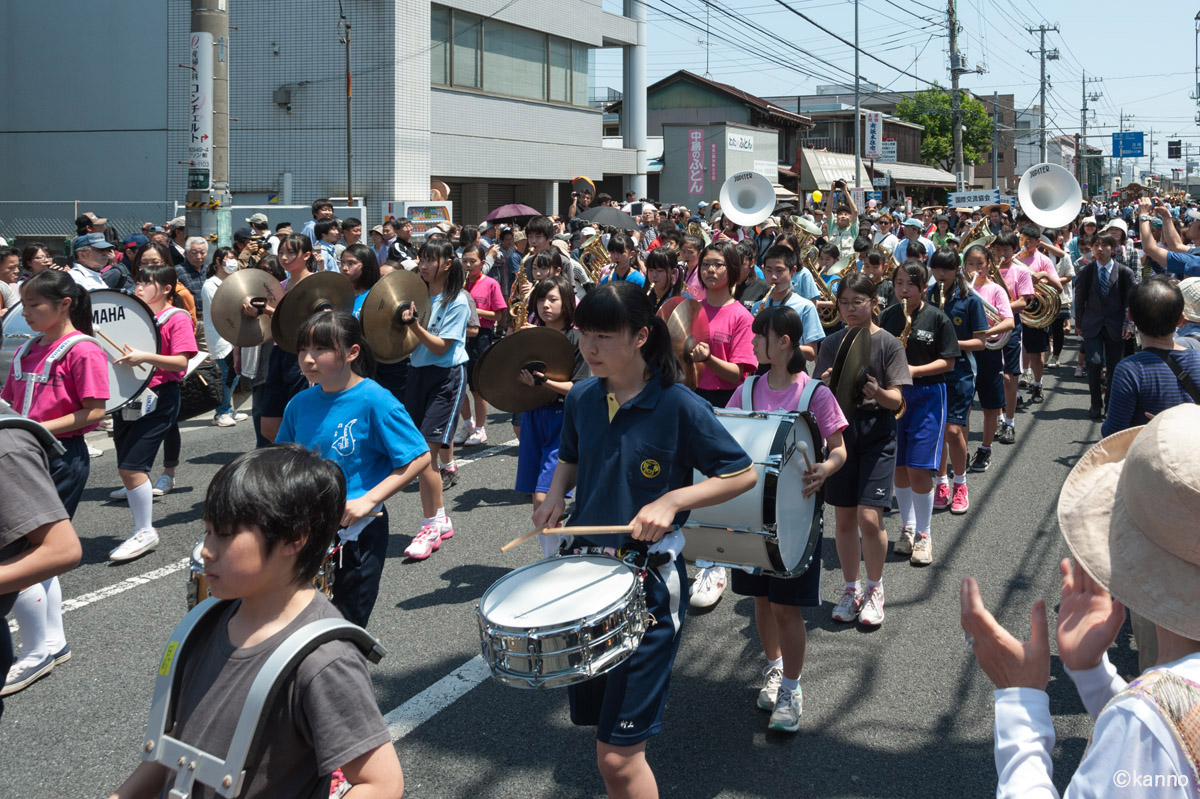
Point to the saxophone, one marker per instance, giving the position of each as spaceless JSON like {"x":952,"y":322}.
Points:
{"x":829,"y":316}
{"x":518,"y":310}
{"x":907,"y":331}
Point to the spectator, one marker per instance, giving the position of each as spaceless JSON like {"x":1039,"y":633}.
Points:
{"x":192,"y":271}
{"x":177,"y":236}
{"x":1180,"y":264}
{"x":10,"y":266}
{"x":400,"y":247}
{"x":321,"y":209}
{"x":89,"y":251}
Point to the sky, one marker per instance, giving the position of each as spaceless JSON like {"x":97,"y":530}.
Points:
{"x":765,"y":49}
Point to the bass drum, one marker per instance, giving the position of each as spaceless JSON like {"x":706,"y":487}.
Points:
{"x":773,"y":528}
{"x":16,"y":332}
{"x":126,"y":320}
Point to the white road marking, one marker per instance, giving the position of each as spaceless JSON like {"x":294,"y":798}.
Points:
{"x":486,"y":452}
{"x":421,"y":708}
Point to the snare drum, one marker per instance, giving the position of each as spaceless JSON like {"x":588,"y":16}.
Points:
{"x":561,"y":621}
{"x":773,"y":527}
{"x":197,"y":586}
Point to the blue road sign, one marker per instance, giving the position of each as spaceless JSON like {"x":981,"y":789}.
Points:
{"x":1128,"y":145}
{"x":875,"y":195}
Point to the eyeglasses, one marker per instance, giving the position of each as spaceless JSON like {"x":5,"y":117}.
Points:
{"x":713,"y":264}
{"x":853,"y":305}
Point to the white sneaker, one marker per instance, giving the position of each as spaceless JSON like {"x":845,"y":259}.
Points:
{"x":240,"y":417}
{"x":120,"y":495}
{"x":224,"y":420}
{"x":136,"y":545}
{"x":429,"y":539}
{"x":786,"y":715}
{"x":163,"y":485}
{"x":106,"y":424}
{"x":770,"y":689}
{"x":479,"y":436}
{"x":872,"y":612}
{"x":708,"y":587}
{"x":465,"y":430}
{"x":94,"y":452}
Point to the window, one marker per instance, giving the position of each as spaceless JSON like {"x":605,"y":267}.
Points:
{"x":560,"y":70}
{"x":439,"y":46}
{"x":579,"y":74}
{"x":465,"y":67}
{"x":514,"y":61}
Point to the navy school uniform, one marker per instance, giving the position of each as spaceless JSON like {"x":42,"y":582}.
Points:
{"x":541,"y":430}
{"x":635,"y":453}
{"x":967,"y":315}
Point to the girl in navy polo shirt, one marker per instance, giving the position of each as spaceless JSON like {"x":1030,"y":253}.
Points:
{"x":631,"y":438}
{"x":436,"y":375}
{"x":356,"y":423}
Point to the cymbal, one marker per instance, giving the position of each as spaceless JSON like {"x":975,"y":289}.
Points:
{"x":225,"y":309}
{"x":390,"y":340}
{"x":850,"y":368}
{"x":320,"y":292}
{"x":540,"y":349}
{"x":688,"y":327}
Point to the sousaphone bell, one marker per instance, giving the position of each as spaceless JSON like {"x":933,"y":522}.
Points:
{"x":747,"y":198}
{"x":1049,"y":195}
{"x":227,"y":314}
{"x":391,"y":340}
{"x":324,"y":291}
{"x":537,"y":349}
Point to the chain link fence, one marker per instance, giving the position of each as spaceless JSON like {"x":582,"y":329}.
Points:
{"x":53,"y":221}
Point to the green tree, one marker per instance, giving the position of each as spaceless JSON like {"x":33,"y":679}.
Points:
{"x":932,"y":108}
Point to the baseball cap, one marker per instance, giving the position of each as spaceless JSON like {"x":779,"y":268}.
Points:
{"x":1193,"y":214}
{"x":95,"y":220}
{"x":177,"y":222}
{"x":588,"y":231}
{"x":94,"y":240}
{"x":134,"y":240}
{"x":912,"y":221}
{"x":1191,"y":299}
{"x":257,"y":219}
{"x":243,"y":234}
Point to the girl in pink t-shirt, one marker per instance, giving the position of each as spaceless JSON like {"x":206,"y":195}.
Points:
{"x":778,"y":334}
{"x":730,"y":357}
{"x":64,"y":386}
{"x":138,"y":437}
{"x":489,"y":304}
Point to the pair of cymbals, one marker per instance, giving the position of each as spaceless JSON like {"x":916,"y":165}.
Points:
{"x":324,"y":291}
{"x":688,"y":326}
{"x":226,"y":311}
{"x":849,"y":373}
{"x":390,"y":339}
{"x":538,"y":349}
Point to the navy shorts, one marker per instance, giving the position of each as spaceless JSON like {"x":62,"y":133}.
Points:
{"x":476,"y":347}
{"x":70,"y":470}
{"x":359,"y":566}
{"x":626,"y":705}
{"x":866,"y":477}
{"x":803,"y":591}
{"x":432,"y":395}
{"x":989,"y":379}
{"x":1036,"y":339}
{"x":960,"y":390}
{"x":1012,"y":351}
{"x":537,"y":454}
{"x":138,"y":441}
{"x":922,"y":428}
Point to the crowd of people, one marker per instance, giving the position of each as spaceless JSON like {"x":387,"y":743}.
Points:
{"x":964,"y":309}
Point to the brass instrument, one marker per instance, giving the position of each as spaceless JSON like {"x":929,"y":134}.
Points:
{"x":942,"y":297}
{"x":696,"y":229}
{"x":829,"y":316}
{"x":1043,"y":309}
{"x":998,"y":340}
{"x":996,"y":277}
{"x":518,"y":310}
{"x":907,"y":331}
{"x":889,"y":255}
{"x":979,"y":233}
{"x":594,"y":256}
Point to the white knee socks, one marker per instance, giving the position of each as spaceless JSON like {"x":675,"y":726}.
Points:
{"x":904,"y":503}
{"x":923,"y":505}
{"x":30,"y":615}
{"x":141,"y":504}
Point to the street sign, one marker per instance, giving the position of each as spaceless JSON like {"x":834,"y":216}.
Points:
{"x":874,"y":129}
{"x":1173,"y":148}
{"x":1007,"y":199}
{"x":1128,"y":145}
{"x":888,"y":151}
{"x":963,"y":199}
{"x":879,"y":181}
{"x":198,"y":180}
{"x":877,"y":196}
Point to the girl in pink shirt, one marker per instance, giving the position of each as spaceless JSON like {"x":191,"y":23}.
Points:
{"x":730,"y":357}
{"x":62,"y":383}
{"x":138,"y":437}
{"x":489,"y":304}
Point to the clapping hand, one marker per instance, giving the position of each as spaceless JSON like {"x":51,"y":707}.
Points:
{"x":1088,"y":618}
{"x":1007,"y":662}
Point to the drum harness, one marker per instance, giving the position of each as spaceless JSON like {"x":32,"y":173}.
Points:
{"x":33,"y":379}
{"x":802,"y":406}
{"x":226,"y":776}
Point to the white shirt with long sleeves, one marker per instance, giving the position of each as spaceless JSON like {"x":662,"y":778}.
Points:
{"x":1131,"y":742}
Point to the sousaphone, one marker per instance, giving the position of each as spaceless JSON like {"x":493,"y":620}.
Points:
{"x":583,"y":185}
{"x":747,"y":198}
{"x":324,"y":291}
{"x":390,"y":339}
{"x":1049,"y":195}
{"x":537,"y":349}
{"x":438,"y":191}
{"x":227,"y":313}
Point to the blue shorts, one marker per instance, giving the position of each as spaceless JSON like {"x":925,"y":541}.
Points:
{"x":1012,"y":351}
{"x":922,"y":428}
{"x":960,"y":390}
{"x":537,"y":454}
{"x":989,"y":379}
{"x":137,"y":442}
{"x":803,"y":591}
{"x":1035,"y":339}
{"x":626,"y":704}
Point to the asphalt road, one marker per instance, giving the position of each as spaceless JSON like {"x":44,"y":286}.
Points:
{"x":901,"y":711}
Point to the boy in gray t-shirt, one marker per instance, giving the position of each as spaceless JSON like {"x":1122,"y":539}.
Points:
{"x":271,"y":516}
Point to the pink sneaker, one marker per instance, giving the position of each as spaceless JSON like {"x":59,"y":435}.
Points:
{"x":941,"y":496}
{"x":429,"y":539}
{"x":960,"y":503}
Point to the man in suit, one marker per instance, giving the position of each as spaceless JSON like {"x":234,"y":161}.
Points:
{"x":1102,"y":299}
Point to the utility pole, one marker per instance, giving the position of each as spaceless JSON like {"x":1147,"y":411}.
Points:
{"x":1046,"y":55}
{"x":955,"y":101}
{"x":344,"y":38}
{"x":857,"y":110}
{"x":208,"y":197}
{"x":995,"y":140}
{"x":1151,"y":151}
{"x":1083,"y":120}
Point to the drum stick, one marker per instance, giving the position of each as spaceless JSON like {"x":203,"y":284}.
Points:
{"x":802,"y":448}
{"x":116,"y":346}
{"x":597,"y":530}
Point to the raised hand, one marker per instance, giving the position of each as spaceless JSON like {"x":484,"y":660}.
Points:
{"x":1088,"y":618}
{"x":1007,"y":662}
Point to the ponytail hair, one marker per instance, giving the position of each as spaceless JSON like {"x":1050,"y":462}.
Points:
{"x":56,"y":286}
{"x":621,"y":307}
{"x":783,"y":321}
{"x":441,"y":251}
{"x":338,"y":331}
{"x":163,"y":275}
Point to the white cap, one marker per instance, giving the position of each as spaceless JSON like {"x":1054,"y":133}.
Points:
{"x":1191,"y":298}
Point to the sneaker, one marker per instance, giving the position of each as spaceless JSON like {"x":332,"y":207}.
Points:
{"x":770,"y":690}
{"x":429,"y":539}
{"x":62,"y":655}
{"x":848,"y":609}
{"x":136,"y":545}
{"x":904,"y":543}
{"x":1052,"y":362}
{"x":941,"y":496}
{"x":1007,"y":434}
{"x":981,"y":461}
{"x":240,"y":417}
{"x":21,"y":677}
{"x":94,"y":452}
{"x":1079,"y":370}
{"x":922,"y":554}
{"x":786,"y":715}
{"x":1096,"y":411}
{"x":872,"y":608}
{"x":120,"y":495}
{"x":479,"y":436}
{"x":960,"y":503}
{"x":163,"y":485}
{"x":106,"y":424}
{"x":1035,"y":395}
{"x":1025,"y":379}
{"x":449,"y":476}
{"x":708,"y":587}
{"x":223,"y":420}
{"x":464,"y":432}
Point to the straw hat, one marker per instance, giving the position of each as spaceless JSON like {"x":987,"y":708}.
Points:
{"x":1128,"y":512}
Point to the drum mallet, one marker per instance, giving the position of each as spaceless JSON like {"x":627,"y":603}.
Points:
{"x":117,"y":346}
{"x":599,"y":530}
{"x":802,"y":448}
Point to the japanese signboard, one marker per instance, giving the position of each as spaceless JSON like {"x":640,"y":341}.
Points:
{"x":695,"y":161}
{"x":740,"y":141}
{"x":874,"y":138}
{"x":888,"y":150}
{"x":200,"y":128}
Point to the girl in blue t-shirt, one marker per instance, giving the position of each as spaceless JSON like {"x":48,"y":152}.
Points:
{"x":354,"y":422}
{"x":360,"y":266}
{"x":436,"y":376}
